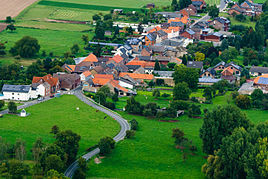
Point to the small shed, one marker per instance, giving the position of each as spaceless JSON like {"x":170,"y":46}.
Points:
{"x":23,"y":113}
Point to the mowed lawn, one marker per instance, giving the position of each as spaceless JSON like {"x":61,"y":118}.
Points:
{"x":152,"y":153}
{"x":54,"y":41}
{"x":87,"y":122}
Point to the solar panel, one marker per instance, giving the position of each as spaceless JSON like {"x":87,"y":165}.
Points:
{"x":263,"y":80}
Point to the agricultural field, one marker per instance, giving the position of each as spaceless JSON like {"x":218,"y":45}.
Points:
{"x":13,"y":8}
{"x":86,"y":121}
{"x":152,"y":151}
{"x":10,"y":60}
{"x":54,"y":41}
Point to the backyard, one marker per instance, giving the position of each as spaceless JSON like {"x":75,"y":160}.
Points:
{"x":86,"y":121}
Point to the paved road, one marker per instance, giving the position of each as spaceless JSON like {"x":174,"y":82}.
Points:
{"x":26,"y":104}
{"x":223,"y":5}
{"x":204,"y":18}
{"x":120,"y":136}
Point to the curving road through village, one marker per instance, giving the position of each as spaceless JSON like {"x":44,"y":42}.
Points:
{"x":120,"y":136}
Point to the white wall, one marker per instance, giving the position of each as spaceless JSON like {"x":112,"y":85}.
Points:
{"x":17,"y":96}
{"x":125,"y":85}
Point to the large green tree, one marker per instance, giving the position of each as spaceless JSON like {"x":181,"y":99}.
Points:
{"x":26,"y":47}
{"x":187,"y":75}
{"x":181,"y":91}
{"x":218,"y":123}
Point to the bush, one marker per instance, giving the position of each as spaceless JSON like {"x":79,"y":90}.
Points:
{"x":2,"y":103}
{"x":133,"y":106}
{"x":156,"y":93}
{"x":134,"y":124}
{"x":110,"y":105}
{"x":12,"y":107}
{"x":115,"y":97}
{"x":150,"y":109}
{"x":234,"y":94}
{"x":106,"y":145}
{"x":165,"y":95}
{"x":243,"y":101}
{"x":130,"y":134}
{"x":194,"y":99}
{"x":180,"y":105}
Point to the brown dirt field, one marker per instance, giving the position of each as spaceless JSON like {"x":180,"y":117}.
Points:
{"x":13,"y":7}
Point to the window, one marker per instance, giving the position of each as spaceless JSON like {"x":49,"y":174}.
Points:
{"x":12,"y":93}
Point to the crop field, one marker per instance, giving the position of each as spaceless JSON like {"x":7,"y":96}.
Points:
{"x":86,"y":121}
{"x":13,"y":7}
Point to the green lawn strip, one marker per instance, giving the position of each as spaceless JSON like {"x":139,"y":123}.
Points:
{"x":84,"y":6}
{"x":54,"y":41}
{"x":86,"y":121}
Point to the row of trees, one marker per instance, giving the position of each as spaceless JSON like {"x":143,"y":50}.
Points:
{"x":49,"y":158}
{"x":236,"y":147}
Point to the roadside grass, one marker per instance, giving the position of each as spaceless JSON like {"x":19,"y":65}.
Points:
{"x":86,"y":122}
{"x":54,"y":41}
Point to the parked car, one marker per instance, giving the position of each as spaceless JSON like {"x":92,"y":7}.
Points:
{"x":52,"y":96}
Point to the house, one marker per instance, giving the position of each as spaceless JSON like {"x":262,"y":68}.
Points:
{"x":169,"y":15}
{"x":83,"y":66}
{"x":207,"y":81}
{"x":213,"y":37}
{"x":135,"y":43}
{"x":17,"y":92}
{"x":116,"y":88}
{"x":258,"y":71}
{"x":188,"y":33}
{"x":68,"y":68}
{"x":247,"y":88}
{"x":85,"y":75}
{"x":246,"y":8}
{"x":148,"y":66}
{"x":220,"y":23}
{"x":261,"y":82}
{"x":150,"y":38}
{"x":210,"y":72}
{"x":146,"y":51}
{"x":127,"y":83}
{"x":52,"y":81}
{"x":166,"y":76}
{"x":195,"y":64}
{"x":228,"y":74}
{"x":38,"y":90}
{"x":68,"y":81}
{"x":118,"y":11}
{"x":219,"y":66}
{"x":199,"y":4}
{"x":138,"y":77}
{"x":235,"y":68}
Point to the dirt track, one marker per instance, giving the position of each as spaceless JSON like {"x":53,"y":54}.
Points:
{"x":13,"y":7}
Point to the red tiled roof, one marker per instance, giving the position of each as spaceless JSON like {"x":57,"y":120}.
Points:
{"x":256,"y":80}
{"x":100,"y":81}
{"x":91,"y":58}
{"x":115,"y":84}
{"x":106,"y":76}
{"x":117,"y":58}
{"x":141,"y":63}
{"x":48,"y":78}
{"x":138,"y":76}
{"x":87,"y":73}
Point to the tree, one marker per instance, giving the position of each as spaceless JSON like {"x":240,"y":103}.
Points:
{"x":133,"y":106}
{"x":134,"y":124}
{"x":130,"y":134}
{"x":257,"y":95}
{"x":174,"y":5}
{"x":106,"y":145}
{"x":106,"y":90}
{"x":116,"y":30}
{"x":213,"y":11}
{"x":179,"y":136}
{"x":184,"y":3}
{"x":20,"y":150}
{"x":17,"y":169}
{"x":224,"y":44}
{"x":188,"y":75}
{"x":85,"y":38}
{"x":2,"y":103}
{"x":3,"y":149}
{"x":26,"y":47}
{"x":243,"y":101}
{"x":69,"y":142}
{"x":181,"y":91}
{"x":156,"y":65}
{"x":2,"y":49}
{"x":150,"y":109}
{"x":55,"y":130}
{"x":99,"y":30}
{"x":38,"y":149}
{"x":11,"y":27}
{"x":9,"y":19}
{"x":156,"y":93}
{"x":107,"y":17}
{"x":199,"y":56}
{"x":79,"y":174}
{"x":140,"y":28}
{"x":100,"y":98}
{"x":75,"y":49}
{"x":96,"y":17}
{"x":54,"y":162}
{"x":207,"y":93}
{"x":97,"y":50}
{"x":115,"y":97}
{"x":12,"y":107}
{"x":218,"y":123}
{"x":240,"y":17}
{"x":129,"y":30}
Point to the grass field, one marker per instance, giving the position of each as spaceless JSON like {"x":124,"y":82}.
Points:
{"x":151,"y":153}
{"x":88,"y":123}
{"x":54,"y":41}
{"x":10,"y":60}
{"x":235,"y":22}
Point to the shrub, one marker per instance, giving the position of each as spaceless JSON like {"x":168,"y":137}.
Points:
{"x":194,"y":99}
{"x":130,"y":134}
{"x":156,"y":93}
{"x":243,"y":101}
{"x":165,"y":95}
{"x":110,"y":105}
{"x":234,"y":94}
{"x":134,"y":124}
{"x":180,"y":105}
{"x":106,"y":145}
{"x":2,"y":103}
{"x":12,"y":107}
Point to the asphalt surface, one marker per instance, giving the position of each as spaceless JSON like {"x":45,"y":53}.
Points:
{"x":120,"y":136}
{"x":223,"y":5}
